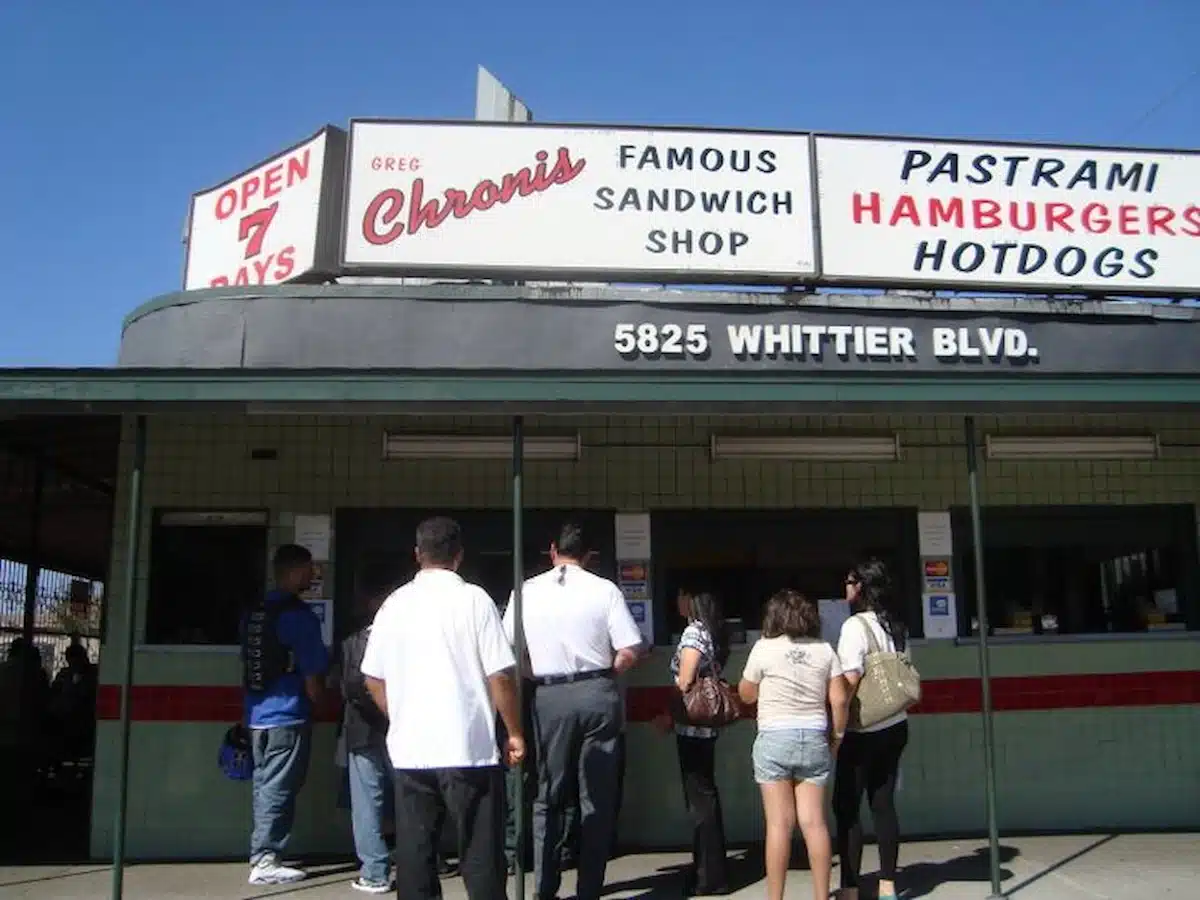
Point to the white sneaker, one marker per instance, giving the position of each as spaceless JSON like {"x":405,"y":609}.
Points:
{"x":370,"y":887}
{"x":269,"y":870}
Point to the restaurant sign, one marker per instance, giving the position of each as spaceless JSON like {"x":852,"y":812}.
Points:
{"x":274,"y":223}
{"x":458,"y":199}
{"x":509,"y":201}
{"x":1007,"y":216}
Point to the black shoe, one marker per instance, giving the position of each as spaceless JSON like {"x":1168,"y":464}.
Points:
{"x":692,"y":888}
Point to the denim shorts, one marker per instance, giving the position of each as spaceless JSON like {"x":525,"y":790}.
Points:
{"x":794,"y":754}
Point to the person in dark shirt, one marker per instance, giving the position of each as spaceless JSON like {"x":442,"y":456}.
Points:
{"x":280,"y":717}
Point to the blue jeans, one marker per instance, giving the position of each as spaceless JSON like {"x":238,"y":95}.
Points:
{"x":280,"y":767}
{"x":371,"y":802}
{"x":793,"y":754}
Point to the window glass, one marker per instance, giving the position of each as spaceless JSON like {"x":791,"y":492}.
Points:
{"x":202,"y":578}
{"x":1093,"y":570}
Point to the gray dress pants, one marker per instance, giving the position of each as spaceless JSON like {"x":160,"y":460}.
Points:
{"x":578,"y":728}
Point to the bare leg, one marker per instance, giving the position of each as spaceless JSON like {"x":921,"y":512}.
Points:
{"x":779,"y":807}
{"x":810,"y":814}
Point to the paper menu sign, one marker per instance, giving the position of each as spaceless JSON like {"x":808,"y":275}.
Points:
{"x":935,"y":537}
{"x":314,"y":534}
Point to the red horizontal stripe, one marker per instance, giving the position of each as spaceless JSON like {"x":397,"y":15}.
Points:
{"x":204,"y":703}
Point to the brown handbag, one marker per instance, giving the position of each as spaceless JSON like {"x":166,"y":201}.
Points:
{"x":711,"y":702}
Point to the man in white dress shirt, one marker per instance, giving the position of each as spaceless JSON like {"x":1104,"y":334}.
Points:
{"x":438,"y":665}
{"x":579,"y":636}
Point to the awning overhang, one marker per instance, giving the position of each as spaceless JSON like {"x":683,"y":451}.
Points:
{"x":343,"y":392}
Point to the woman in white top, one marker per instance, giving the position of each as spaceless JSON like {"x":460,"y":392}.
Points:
{"x":869,"y":759}
{"x":793,"y":675}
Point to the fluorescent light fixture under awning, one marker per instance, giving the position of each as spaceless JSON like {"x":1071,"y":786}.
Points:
{"x":459,"y":446}
{"x":823,"y":447}
{"x":1071,"y":447}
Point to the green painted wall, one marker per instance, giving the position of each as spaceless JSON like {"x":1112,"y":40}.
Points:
{"x":1066,"y":769}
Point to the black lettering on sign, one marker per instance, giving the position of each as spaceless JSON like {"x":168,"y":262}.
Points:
{"x":695,"y":159}
{"x":1031,"y":259}
{"x":688,"y":242}
{"x":1034,"y":172}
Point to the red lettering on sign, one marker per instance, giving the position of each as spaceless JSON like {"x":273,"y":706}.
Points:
{"x":253,"y":228}
{"x":271,"y":269}
{"x":380,"y":223}
{"x":264,"y":185}
{"x":396,"y":163}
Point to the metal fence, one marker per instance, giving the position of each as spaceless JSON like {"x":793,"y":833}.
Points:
{"x":66,"y":607}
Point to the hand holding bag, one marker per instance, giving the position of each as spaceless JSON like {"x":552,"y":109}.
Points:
{"x":890,"y":684}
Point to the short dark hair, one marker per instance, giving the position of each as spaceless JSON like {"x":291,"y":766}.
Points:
{"x":439,"y":541}
{"x":791,"y":613}
{"x":572,"y":542}
{"x":289,"y":557}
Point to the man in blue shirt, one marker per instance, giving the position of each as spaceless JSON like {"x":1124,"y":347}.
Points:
{"x":283,"y":659}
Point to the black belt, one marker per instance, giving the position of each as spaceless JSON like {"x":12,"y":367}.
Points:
{"x":548,"y":680}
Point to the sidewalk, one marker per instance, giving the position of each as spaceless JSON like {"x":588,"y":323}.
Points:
{"x":1092,"y":867}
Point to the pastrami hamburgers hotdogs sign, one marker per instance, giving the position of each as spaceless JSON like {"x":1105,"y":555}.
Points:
{"x":1008,"y":217}
{"x":462,"y":200}
{"x":579,"y":201}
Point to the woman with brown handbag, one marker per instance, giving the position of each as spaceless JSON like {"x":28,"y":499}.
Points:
{"x":702,"y":652}
{"x":873,"y":653}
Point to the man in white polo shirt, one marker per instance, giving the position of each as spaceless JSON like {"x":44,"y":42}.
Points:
{"x":438,"y":664}
{"x":579,"y":636}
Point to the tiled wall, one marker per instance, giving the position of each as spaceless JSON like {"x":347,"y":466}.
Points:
{"x":630,"y":463}
{"x":1071,"y":769}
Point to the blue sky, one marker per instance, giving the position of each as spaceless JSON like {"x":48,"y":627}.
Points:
{"x":115,"y":112}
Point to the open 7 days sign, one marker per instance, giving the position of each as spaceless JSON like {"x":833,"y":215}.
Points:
{"x":461,"y":199}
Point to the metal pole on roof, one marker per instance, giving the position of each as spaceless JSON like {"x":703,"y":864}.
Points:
{"x":518,"y":464}
{"x":129,"y":598}
{"x":985,"y":675}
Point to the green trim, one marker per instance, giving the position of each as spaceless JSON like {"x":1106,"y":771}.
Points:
{"x":125,"y":386}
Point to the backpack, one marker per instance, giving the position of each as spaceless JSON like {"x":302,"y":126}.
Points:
{"x":265,"y":658}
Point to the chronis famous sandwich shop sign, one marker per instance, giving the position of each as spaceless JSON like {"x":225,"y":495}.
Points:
{"x":662,"y":204}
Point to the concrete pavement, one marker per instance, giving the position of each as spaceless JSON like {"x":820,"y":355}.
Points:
{"x":1082,"y":867}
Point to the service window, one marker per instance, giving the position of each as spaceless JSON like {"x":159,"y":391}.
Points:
{"x":1081,"y":570}
{"x":206,"y":569}
{"x":746,"y":556}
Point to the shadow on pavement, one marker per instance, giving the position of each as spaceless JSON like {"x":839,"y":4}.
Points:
{"x":1065,"y":861}
{"x":54,"y":876}
{"x":923,"y":878}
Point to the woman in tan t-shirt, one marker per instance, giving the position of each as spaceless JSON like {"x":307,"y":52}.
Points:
{"x":792,"y":675}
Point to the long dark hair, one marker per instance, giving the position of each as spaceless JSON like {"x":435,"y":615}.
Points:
{"x":877,"y":594}
{"x":706,"y":609}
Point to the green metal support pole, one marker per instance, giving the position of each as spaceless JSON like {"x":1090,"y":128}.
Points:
{"x":33,"y":564}
{"x":129,"y":596}
{"x":985,"y":675}
{"x":518,"y":555}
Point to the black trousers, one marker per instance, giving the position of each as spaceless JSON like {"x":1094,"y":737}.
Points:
{"x":697,"y":765}
{"x":474,"y":799}
{"x":868,"y":763}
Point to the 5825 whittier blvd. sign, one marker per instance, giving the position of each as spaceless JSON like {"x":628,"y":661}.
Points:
{"x":275,"y":223}
{"x":492,"y":199}
{"x":1005,"y":216}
